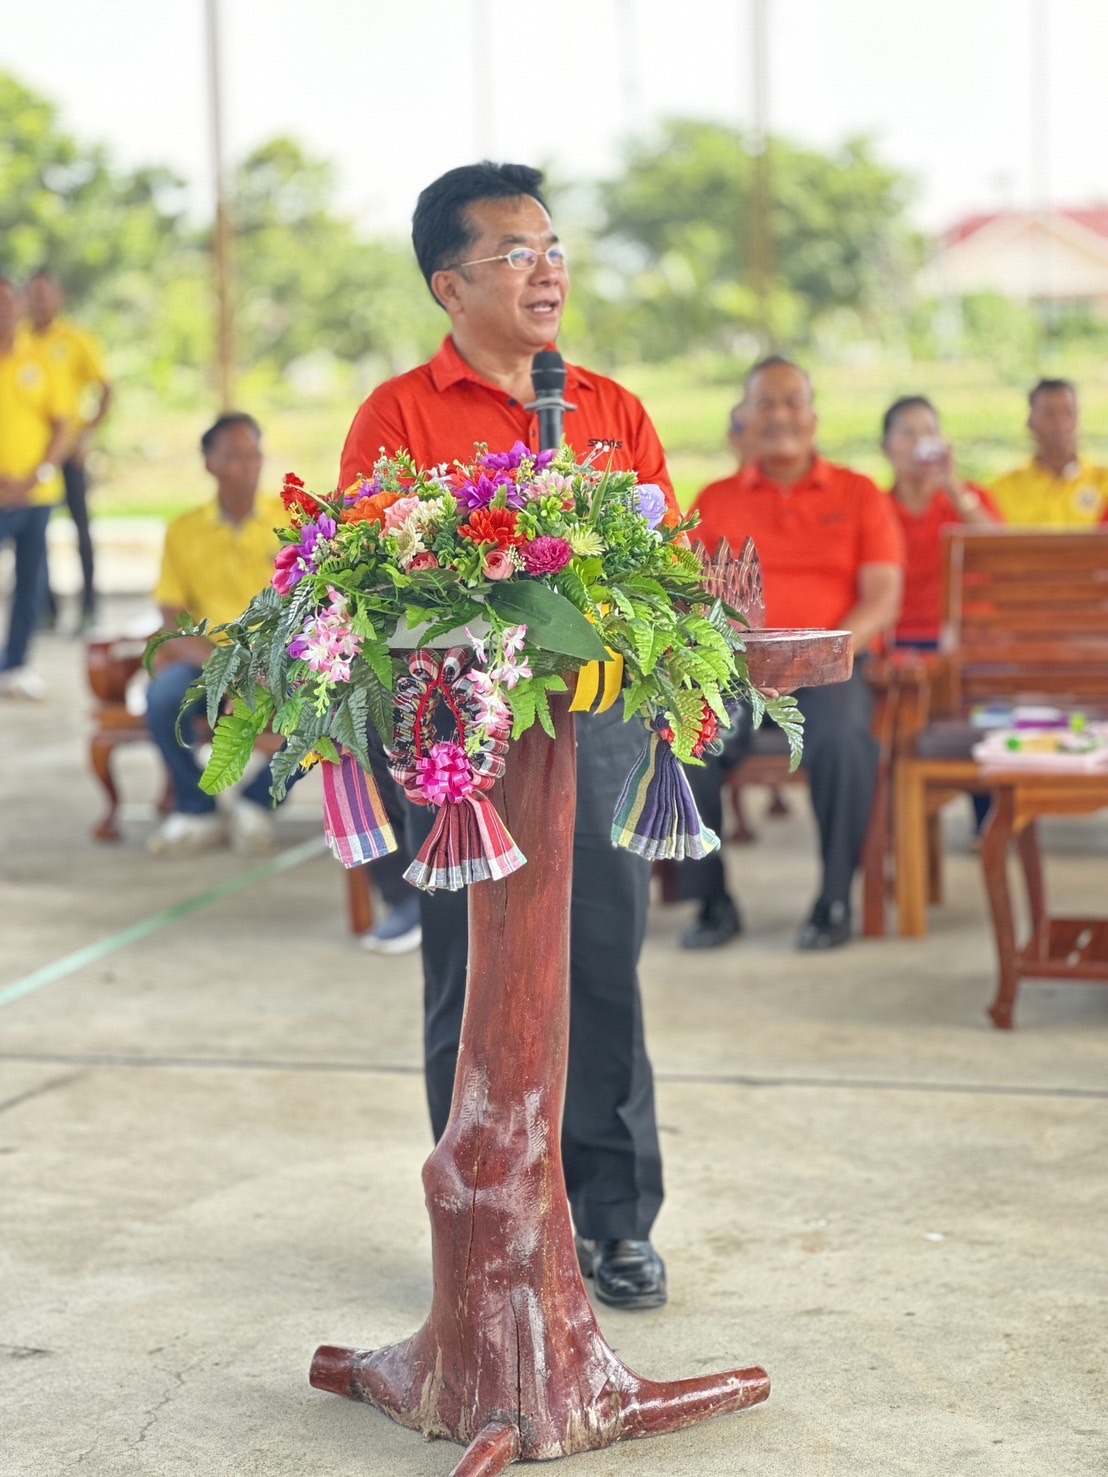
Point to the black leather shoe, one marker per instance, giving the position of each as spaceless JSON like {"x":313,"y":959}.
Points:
{"x":718,"y":923}
{"x":827,"y":928}
{"x":628,"y":1274}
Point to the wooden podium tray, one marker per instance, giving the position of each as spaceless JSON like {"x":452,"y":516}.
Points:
{"x":787,"y":658}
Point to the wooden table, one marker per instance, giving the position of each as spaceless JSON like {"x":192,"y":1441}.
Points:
{"x":1060,"y":948}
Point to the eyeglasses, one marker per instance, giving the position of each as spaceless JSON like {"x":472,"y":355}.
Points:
{"x":521,"y":259}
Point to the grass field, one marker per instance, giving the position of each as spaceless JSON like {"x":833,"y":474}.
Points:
{"x":149,"y":463}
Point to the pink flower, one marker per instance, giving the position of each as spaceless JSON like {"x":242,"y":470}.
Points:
{"x":512,"y":639}
{"x":287,"y":570}
{"x":499,"y":565}
{"x":445,"y":774}
{"x":400,"y":512}
{"x":426,"y":560}
{"x":546,"y":555}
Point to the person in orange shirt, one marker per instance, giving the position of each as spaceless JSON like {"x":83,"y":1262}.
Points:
{"x":492,"y":260}
{"x":832,"y":557}
{"x":927,"y":495}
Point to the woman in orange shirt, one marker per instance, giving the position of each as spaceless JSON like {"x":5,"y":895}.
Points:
{"x":928,"y":495}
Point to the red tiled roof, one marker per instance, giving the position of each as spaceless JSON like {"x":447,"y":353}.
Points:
{"x":1092,"y":218}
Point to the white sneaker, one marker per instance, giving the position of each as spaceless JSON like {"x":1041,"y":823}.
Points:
{"x":22,"y":682}
{"x":187,"y":835}
{"x":253,"y":830}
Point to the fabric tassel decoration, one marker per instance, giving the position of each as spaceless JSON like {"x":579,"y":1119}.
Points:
{"x":468,"y":843}
{"x":656,"y":816}
{"x":355,"y":825}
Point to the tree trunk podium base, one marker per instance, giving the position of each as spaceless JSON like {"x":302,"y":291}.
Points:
{"x":511,"y":1362}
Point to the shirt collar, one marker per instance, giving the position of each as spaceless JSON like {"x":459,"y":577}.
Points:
{"x":817,"y":476}
{"x":1073,"y":469}
{"x":448,"y":368}
{"x":217,"y":519}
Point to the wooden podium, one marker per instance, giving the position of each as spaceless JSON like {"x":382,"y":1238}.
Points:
{"x":510,"y":1361}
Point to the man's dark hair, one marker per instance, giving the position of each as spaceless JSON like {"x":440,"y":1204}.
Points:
{"x":441,"y":230}
{"x":1048,"y":387}
{"x":224,"y":423}
{"x":906,"y":402}
{"x":773,"y":361}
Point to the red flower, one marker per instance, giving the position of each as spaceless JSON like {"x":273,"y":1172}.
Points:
{"x":426,"y":560}
{"x":299,"y":503}
{"x":492,"y":526}
{"x":709,"y":727}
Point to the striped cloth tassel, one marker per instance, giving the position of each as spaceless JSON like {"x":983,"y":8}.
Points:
{"x":355,"y":825}
{"x":656,"y":816}
{"x":468,"y":843}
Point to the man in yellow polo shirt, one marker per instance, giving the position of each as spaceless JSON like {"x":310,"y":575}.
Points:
{"x":71,"y":352}
{"x":1057,"y":488}
{"x":216,"y":559}
{"x":35,"y":424}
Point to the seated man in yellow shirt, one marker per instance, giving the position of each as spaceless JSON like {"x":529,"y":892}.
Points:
{"x":216,"y":559}
{"x":1057,"y":488}
{"x":35,"y":421}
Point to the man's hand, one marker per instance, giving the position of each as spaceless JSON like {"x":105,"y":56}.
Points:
{"x":15,"y":492}
{"x":192,"y":649}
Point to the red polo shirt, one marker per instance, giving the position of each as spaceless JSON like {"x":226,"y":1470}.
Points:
{"x":440,"y":409}
{"x":921,"y":609}
{"x":812,"y":538}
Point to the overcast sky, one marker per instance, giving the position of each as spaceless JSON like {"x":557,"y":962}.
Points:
{"x":396,"y":91}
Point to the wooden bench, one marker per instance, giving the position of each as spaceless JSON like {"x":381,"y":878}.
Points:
{"x":1025,"y":622}
{"x":110,"y":665}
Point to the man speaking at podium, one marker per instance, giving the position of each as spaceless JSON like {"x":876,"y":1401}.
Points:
{"x":486,"y":247}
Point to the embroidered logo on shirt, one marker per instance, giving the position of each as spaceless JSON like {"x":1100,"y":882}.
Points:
{"x":1086,"y":498}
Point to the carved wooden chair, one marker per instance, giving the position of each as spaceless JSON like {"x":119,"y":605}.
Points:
{"x":110,"y":665}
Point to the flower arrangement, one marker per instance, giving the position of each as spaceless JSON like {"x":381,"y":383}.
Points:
{"x":526,"y":568}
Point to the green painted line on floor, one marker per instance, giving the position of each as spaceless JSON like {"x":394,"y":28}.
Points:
{"x":70,"y":963}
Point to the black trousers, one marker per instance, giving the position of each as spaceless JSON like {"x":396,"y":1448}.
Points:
{"x":388,"y":871}
{"x":76,"y":500}
{"x":841,"y":757}
{"x":610,"y":1149}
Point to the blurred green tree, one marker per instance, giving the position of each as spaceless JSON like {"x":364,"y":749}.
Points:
{"x":670,"y":269}
{"x":308,"y":282}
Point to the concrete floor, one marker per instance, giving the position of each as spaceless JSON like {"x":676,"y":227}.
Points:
{"x":212,"y":1126}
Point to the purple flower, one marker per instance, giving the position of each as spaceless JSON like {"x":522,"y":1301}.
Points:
{"x":652,"y":503}
{"x":479,"y":494}
{"x":510,"y":461}
{"x":294,"y":561}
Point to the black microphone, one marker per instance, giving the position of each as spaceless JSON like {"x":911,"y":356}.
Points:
{"x":548,"y":375}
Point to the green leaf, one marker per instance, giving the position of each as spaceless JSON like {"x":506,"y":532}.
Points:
{"x":642,"y":637}
{"x":220,"y":671}
{"x":524,"y":702}
{"x":348,"y":724}
{"x":552,"y":622}
{"x":378,"y":698}
{"x":543,"y":709}
{"x":376,"y":654}
{"x":232,"y":745}
{"x":790,"y":720}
